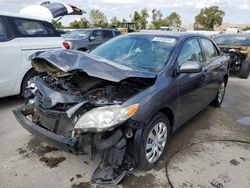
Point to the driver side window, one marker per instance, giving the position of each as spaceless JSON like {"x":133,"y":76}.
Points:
{"x":190,"y":51}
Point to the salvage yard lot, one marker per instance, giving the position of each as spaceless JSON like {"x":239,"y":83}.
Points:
{"x":26,"y":162}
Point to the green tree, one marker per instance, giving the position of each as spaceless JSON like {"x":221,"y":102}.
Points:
{"x":144,"y":17}
{"x":157,"y":20}
{"x":173,"y":20}
{"x":140,"y":19}
{"x":124,"y":20}
{"x":82,"y":23}
{"x":114,"y":22}
{"x":208,"y":18}
{"x":136,"y":18}
{"x":97,"y":18}
{"x":57,"y":25}
{"x":156,"y":15}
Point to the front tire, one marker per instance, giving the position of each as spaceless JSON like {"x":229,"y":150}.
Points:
{"x":220,"y":95}
{"x":245,"y":69}
{"x":153,"y":141}
{"x":32,"y":73}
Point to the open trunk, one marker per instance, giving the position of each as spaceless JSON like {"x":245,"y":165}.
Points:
{"x":50,"y":10}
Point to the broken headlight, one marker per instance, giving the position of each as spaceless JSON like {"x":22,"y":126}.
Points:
{"x":106,"y":117}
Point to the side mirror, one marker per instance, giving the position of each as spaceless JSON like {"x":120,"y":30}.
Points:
{"x":190,"y":67}
{"x":91,"y":38}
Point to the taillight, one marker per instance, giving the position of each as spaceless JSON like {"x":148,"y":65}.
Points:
{"x":66,"y":45}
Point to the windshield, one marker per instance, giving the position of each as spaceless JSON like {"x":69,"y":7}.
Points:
{"x":79,"y":34}
{"x":241,"y":40}
{"x":148,"y":52}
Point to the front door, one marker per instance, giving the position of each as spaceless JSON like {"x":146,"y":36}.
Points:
{"x":211,"y":69}
{"x":189,"y":84}
{"x":95,"y":39}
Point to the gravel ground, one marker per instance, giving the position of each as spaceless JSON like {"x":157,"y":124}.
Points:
{"x":26,"y":162}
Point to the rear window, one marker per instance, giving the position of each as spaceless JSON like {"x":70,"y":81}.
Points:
{"x":30,"y":28}
{"x":3,"y":35}
{"x":107,"y":34}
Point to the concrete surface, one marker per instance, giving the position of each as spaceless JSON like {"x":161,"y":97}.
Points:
{"x":26,"y":162}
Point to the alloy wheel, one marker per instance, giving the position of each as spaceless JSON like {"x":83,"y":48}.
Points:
{"x":221,"y":92}
{"x":156,"y":142}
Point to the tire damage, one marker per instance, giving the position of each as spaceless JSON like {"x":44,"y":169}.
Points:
{"x":56,"y":100}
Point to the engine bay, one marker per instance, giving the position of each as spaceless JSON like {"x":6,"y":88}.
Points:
{"x":95,"y":91}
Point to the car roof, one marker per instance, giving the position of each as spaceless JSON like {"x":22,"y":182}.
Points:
{"x":96,"y":29}
{"x":180,"y":35}
{"x":233,"y":34}
{"x":18,"y":15}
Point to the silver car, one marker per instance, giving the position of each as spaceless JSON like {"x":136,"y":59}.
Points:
{"x":88,"y":39}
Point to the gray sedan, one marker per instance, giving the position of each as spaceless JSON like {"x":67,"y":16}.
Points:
{"x":88,"y":39}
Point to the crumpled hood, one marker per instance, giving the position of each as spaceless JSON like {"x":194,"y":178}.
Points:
{"x":69,"y":61}
{"x":243,"y":49}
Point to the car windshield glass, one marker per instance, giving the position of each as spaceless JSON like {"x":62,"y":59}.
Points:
{"x":233,"y":40}
{"x":148,"y":52}
{"x":80,"y":34}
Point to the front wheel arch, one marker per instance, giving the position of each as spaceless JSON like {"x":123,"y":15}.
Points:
{"x":30,"y":73}
{"x":83,"y":49}
{"x":225,"y":79}
{"x":141,"y":162}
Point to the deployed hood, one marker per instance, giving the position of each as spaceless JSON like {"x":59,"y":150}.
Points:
{"x":65,"y":62}
{"x":49,"y":11}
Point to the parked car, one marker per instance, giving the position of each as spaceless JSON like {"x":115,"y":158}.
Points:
{"x":237,"y":46}
{"x":20,"y":37}
{"x":88,"y":39}
{"x":124,"y":100}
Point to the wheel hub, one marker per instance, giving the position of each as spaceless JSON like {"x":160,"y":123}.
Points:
{"x":156,"y":142}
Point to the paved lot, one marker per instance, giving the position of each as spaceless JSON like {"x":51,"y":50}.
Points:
{"x":26,"y":162}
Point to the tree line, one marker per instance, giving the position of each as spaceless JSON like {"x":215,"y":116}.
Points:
{"x":207,"y":19}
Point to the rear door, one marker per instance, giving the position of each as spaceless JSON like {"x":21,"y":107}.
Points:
{"x":190,"y":85}
{"x":107,"y":35}
{"x":211,"y":69}
{"x":10,"y":53}
{"x":35,"y":35}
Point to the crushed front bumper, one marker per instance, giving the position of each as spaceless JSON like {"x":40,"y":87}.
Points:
{"x":59,"y":141}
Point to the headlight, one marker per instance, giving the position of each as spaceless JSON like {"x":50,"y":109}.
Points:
{"x":105,"y":117}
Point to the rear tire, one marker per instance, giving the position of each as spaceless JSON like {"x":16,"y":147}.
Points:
{"x":220,"y":95}
{"x":245,"y":69}
{"x":159,"y":129}
{"x":82,"y":49}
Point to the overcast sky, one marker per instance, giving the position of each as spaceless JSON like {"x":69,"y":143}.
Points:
{"x":237,"y":11}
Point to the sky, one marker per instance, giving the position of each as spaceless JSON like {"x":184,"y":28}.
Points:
{"x":236,"y":11}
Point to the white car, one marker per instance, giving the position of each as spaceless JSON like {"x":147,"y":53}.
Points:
{"x":21,"y":35}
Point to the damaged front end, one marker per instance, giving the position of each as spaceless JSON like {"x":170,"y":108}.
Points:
{"x":78,"y":107}
{"x":237,"y":55}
